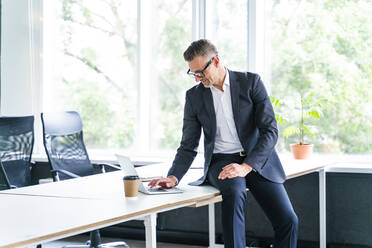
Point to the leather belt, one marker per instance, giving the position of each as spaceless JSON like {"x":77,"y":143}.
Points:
{"x":241,"y":154}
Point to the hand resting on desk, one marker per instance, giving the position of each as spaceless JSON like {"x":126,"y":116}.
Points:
{"x":168,"y":182}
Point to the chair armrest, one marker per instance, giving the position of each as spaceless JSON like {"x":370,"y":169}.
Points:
{"x":7,"y":186}
{"x":3,"y":173}
{"x":56,"y":176}
{"x":113,"y":166}
{"x":102,"y":167}
{"x":32,"y":164}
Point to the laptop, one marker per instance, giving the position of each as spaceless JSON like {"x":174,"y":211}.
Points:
{"x":129,"y":170}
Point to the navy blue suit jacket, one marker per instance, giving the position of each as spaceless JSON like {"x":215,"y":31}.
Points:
{"x":254,"y":120}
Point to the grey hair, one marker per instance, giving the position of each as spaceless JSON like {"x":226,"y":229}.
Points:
{"x":200,"y":47}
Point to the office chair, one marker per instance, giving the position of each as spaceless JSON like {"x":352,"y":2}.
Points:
{"x":16,"y":144}
{"x":68,"y":157}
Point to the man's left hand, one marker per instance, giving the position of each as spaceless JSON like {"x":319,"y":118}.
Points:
{"x":235,"y":170}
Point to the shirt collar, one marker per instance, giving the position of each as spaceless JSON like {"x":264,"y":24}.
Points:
{"x":227,"y":79}
{"x":226,"y":82}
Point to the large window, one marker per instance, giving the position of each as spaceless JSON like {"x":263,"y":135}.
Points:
{"x":120,"y":65}
{"x":171,"y":33}
{"x":324,"y":48}
{"x":227,"y":28}
{"x":90,"y":66}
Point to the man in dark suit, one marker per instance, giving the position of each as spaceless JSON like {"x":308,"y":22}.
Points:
{"x":240,"y":133}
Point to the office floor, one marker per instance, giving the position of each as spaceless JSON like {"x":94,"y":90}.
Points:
{"x":81,"y":239}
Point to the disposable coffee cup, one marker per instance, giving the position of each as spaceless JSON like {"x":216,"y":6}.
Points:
{"x":131,"y":186}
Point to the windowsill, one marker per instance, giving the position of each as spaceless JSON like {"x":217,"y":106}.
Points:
{"x":285,"y":157}
{"x":326,"y":159}
{"x":111,"y":159}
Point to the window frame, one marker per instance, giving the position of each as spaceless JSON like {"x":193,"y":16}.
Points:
{"x":32,"y":63}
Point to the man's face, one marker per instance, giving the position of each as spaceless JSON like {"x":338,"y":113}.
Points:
{"x":205,"y":70}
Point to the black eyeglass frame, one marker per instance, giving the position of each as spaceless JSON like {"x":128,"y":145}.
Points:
{"x":200,"y":74}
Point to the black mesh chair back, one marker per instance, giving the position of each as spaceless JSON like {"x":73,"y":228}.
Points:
{"x":64,"y":145}
{"x":16,"y":145}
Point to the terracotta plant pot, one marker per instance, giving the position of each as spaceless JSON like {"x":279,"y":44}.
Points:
{"x":303,"y":151}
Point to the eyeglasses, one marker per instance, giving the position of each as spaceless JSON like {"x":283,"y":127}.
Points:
{"x":200,"y":74}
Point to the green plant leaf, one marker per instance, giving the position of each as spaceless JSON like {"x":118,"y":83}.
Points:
{"x":307,"y":130}
{"x":280,"y":120}
{"x":275,"y":102}
{"x":289,"y":131}
{"x":315,"y":114}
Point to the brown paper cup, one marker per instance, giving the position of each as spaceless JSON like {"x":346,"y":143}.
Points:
{"x":131,"y":186}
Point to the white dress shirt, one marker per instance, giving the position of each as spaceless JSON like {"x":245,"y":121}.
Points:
{"x":227,"y":140}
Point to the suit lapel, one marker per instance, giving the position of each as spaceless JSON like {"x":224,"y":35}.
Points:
{"x":208,"y":101}
{"x":235,"y":90}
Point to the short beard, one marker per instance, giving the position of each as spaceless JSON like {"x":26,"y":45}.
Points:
{"x":208,"y":85}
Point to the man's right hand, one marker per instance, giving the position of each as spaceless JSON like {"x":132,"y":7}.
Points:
{"x":168,"y":182}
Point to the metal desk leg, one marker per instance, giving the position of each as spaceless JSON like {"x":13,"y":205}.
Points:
{"x":150,"y":226}
{"x":322,"y":209}
{"x":212,"y":226}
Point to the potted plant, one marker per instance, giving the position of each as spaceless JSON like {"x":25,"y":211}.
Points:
{"x":309,"y":109}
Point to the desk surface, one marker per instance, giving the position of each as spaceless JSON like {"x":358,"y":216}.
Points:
{"x":33,"y":218}
{"x":110,"y":185}
{"x":51,"y":211}
{"x":347,"y":167}
{"x":101,"y":186}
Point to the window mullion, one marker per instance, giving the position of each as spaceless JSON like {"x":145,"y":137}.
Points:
{"x":251,"y":49}
{"x":198,"y":19}
{"x":143,"y":75}
{"x":36,"y":67}
{"x":202,"y":5}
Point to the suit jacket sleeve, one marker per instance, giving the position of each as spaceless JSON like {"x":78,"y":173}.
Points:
{"x":266,"y":124}
{"x":190,"y":141}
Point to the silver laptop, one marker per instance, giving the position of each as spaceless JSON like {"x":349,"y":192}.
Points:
{"x":129,"y":170}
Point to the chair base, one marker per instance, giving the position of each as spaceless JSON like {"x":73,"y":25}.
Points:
{"x":105,"y":245}
{"x":95,"y":242}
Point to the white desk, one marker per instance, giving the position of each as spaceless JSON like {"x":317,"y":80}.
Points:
{"x":102,"y":186}
{"x":323,"y":167}
{"x":349,"y":167}
{"x":27,"y":220}
{"x":103,"y":194}
{"x":42,"y":213}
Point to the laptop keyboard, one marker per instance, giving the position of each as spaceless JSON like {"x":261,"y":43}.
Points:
{"x":157,"y":190}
